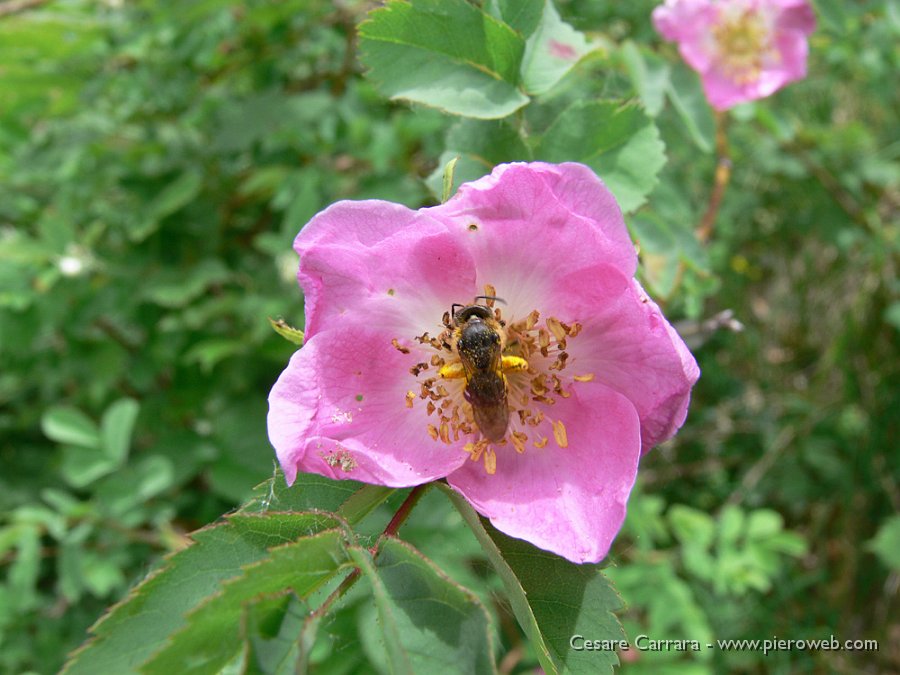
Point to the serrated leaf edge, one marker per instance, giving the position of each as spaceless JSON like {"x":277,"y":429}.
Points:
{"x":165,"y":566}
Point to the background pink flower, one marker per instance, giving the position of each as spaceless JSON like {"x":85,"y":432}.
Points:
{"x":743,"y":49}
{"x":607,"y":375}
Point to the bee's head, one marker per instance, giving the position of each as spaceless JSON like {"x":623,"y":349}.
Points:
{"x":466,"y":312}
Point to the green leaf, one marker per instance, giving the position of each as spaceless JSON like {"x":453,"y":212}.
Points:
{"x":82,"y":466}
{"x":691,"y":526}
{"x":447,"y":54}
{"x":621,"y":143}
{"x":732,"y":522}
{"x":69,"y":425}
{"x":551,"y":52}
{"x":288,"y":332}
{"x":480,"y":146}
{"x":175,"y":289}
{"x":552,"y":598}
{"x":213,"y":635}
{"x":429,"y":624}
{"x":686,"y":93}
{"x":170,"y":199}
{"x":886,"y":544}
{"x":350,"y":499}
{"x":116,"y":427}
{"x":134,"y":484}
{"x":281,"y":631}
{"x":141,"y":623}
{"x":649,"y":74}
{"x":523,"y":16}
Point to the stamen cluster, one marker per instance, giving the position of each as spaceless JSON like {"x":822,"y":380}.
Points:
{"x":531,"y":392}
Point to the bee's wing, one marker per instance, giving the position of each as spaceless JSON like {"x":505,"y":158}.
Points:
{"x":492,"y":419}
{"x":469,"y":368}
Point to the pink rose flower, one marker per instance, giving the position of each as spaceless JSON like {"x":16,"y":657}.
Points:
{"x":584,"y":372}
{"x":743,"y":49}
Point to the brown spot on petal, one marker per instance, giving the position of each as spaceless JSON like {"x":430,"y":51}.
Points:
{"x":400,"y":348}
{"x":587,"y":377}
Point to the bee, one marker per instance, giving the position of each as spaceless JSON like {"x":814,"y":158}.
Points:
{"x":478,"y":339}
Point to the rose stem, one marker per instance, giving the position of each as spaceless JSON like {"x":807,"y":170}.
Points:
{"x":722,"y":176}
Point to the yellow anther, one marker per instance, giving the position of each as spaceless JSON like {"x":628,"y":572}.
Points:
{"x":518,"y":440}
{"x":559,"y":433}
{"x":556,"y":327}
{"x":490,"y":461}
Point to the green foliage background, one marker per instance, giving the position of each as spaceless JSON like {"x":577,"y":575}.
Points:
{"x":156,"y":161}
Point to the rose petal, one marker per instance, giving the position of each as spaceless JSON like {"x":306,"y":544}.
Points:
{"x":380,"y":262}
{"x":628,"y":344}
{"x":795,"y":15}
{"x":341,"y":403}
{"x":567,"y":500}
{"x":524,"y":220}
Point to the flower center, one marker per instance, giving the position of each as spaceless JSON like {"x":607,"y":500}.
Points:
{"x":743,"y":42}
{"x":497,"y":379}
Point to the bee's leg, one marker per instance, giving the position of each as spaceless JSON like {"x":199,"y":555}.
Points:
{"x":452,"y":371}
{"x":513,"y":363}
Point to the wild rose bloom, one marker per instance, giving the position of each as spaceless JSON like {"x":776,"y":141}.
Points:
{"x":606,"y":377}
{"x":743,"y":49}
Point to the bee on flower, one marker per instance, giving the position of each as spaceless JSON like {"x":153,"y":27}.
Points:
{"x":499,"y":341}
